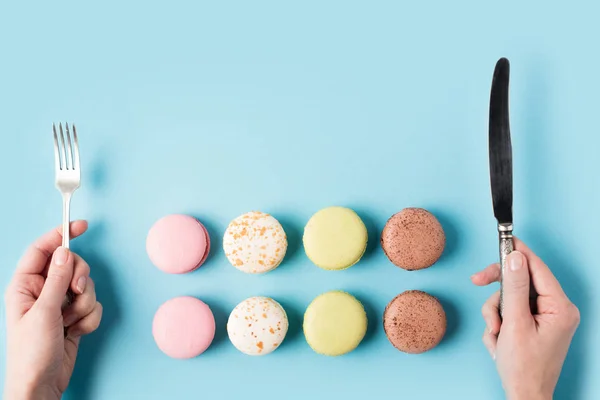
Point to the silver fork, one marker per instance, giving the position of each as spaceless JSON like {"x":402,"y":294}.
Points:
{"x":67,"y":172}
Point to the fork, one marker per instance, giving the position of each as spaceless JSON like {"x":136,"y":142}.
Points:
{"x":67,"y":180}
{"x":67,"y":172}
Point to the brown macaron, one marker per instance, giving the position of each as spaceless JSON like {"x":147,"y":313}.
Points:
{"x":413,"y":239}
{"x":414,"y":322}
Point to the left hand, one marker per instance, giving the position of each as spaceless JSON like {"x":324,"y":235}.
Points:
{"x":40,"y":358}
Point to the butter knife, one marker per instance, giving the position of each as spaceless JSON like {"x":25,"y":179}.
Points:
{"x":501,"y":172}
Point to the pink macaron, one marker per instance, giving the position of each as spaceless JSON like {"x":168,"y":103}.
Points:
{"x":178,"y":244}
{"x":183,"y":327}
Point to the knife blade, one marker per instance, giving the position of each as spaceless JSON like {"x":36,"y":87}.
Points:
{"x":501,"y":171}
{"x":500,"y":146}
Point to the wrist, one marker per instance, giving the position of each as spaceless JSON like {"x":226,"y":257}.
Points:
{"x":22,"y":391}
{"x":18,"y":391}
{"x":528,"y":395}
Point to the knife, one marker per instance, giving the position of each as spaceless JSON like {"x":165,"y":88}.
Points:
{"x":500,"y":153}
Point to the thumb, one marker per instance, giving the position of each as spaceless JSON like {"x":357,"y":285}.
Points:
{"x":60,"y":274}
{"x":515,"y":286}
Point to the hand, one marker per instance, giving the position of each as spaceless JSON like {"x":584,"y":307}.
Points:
{"x":529,"y":349}
{"x":40,"y":359}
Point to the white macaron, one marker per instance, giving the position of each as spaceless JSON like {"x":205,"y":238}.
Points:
{"x":255,"y":243}
{"x":257,"y":326}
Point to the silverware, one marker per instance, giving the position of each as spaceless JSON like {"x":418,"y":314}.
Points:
{"x":67,"y":172}
{"x":501,"y":163}
{"x":67,"y":177}
{"x":501,"y":174}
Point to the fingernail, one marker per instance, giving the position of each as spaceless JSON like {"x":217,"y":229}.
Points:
{"x":60,"y":256}
{"x":81,"y":284}
{"x":493,"y":356}
{"x":515,"y":261}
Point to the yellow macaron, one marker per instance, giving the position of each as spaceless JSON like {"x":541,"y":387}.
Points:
{"x":335,"y":238}
{"x":335,"y":323}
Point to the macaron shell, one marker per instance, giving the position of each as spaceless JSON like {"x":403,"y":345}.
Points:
{"x":183,"y":327}
{"x":208,"y":243}
{"x":413,"y":239}
{"x":178,"y":244}
{"x":335,"y":238}
{"x":335,"y":323}
{"x":257,"y":326}
{"x":255,"y":243}
{"x":414,"y":322}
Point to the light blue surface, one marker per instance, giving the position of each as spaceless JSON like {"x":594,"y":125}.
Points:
{"x":218,"y":108}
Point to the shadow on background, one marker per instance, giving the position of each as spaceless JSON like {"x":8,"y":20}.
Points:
{"x":294,"y":236}
{"x":221,"y":315}
{"x":215,"y":233}
{"x":295,"y":320}
{"x":98,"y":169}
{"x":92,"y":346}
{"x":449,"y":224}
{"x":539,"y":165}
{"x":373,"y":318}
{"x":564,"y":268}
{"x":452,"y":320}
{"x":373,"y":231}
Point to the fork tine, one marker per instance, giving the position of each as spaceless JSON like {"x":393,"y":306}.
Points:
{"x":69,"y":148}
{"x":56,"y":153}
{"x":63,"y":155}
{"x":75,"y":149}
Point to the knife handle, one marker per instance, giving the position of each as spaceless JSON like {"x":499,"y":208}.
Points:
{"x":507,"y":247}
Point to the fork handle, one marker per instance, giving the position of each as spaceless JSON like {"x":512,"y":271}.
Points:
{"x":66,"y":237}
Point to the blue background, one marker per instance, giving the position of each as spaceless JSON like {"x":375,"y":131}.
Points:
{"x":217,"y":108}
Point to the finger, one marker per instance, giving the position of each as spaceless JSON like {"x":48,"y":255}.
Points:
{"x":60,"y":274}
{"x":21,"y":295}
{"x":548,"y":305}
{"x":81,"y":273}
{"x":491,"y":314}
{"x":490,"y":342}
{"x":488,"y":275}
{"x":88,"y":324}
{"x":543,"y":279}
{"x":82,"y":306}
{"x":36,"y":256}
{"x":71,"y":347}
{"x":515,"y":285}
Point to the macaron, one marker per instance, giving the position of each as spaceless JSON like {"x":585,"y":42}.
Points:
{"x":335,"y":238}
{"x":335,"y":323}
{"x":414,"y":322}
{"x":257,"y":326}
{"x":413,"y":239}
{"x":183,"y":327}
{"x":255,"y":243}
{"x":177,"y":244}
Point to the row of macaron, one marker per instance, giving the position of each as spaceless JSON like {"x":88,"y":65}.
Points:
{"x":335,"y":238}
{"x":334,"y":324}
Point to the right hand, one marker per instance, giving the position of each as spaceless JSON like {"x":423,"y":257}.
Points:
{"x":40,"y":357}
{"x":529,"y":350}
